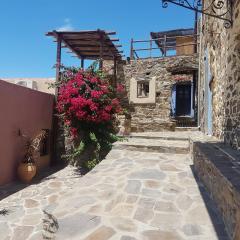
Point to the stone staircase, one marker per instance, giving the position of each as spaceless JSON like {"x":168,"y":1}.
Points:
{"x":154,"y":142}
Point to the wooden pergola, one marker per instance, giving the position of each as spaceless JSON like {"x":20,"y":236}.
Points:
{"x":91,"y":45}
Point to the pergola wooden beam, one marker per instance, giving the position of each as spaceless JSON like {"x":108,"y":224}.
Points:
{"x":84,"y":45}
{"x":85,"y":31}
{"x":92,"y":41}
{"x":90,"y":45}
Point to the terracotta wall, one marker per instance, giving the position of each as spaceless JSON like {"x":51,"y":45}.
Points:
{"x":28,"y":111}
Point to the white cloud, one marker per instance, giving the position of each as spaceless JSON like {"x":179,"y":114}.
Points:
{"x":67,"y":26}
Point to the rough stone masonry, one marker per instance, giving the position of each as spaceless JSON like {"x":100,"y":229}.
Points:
{"x":220,"y":47}
{"x":156,"y":115}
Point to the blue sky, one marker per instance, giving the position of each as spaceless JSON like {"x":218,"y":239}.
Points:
{"x":27,"y":52}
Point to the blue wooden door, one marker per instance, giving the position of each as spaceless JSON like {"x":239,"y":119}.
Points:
{"x":173,"y":101}
{"x":208,"y":96}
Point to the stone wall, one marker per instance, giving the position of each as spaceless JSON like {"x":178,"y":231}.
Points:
{"x":222,"y":47}
{"x":155,"y":116}
{"x":221,"y":178}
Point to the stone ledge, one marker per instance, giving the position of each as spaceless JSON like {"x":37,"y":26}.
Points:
{"x":218,"y":168}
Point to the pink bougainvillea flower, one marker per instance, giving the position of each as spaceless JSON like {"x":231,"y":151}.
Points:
{"x":108,"y":108}
{"x":87,"y":98}
{"x":120,"y":88}
{"x":67,"y":122}
{"x":96,"y":94}
{"x":115,"y":102}
{"x":74,"y":132}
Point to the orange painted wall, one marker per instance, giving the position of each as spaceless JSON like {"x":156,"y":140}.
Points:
{"x":26,"y":110}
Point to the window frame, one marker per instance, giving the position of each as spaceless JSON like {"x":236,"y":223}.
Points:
{"x":145,"y":84}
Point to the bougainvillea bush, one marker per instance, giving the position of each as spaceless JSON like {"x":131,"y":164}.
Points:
{"x":88,"y":106}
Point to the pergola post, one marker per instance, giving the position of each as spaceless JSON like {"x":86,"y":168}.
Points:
{"x":131,"y":50}
{"x":82,"y":63}
{"x":115,"y":73}
{"x":58,"y":61}
{"x":101,"y":53}
{"x":55,"y":123}
{"x":165,"y":45}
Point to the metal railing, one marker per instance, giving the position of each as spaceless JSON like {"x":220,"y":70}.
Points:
{"x":151,"y":49}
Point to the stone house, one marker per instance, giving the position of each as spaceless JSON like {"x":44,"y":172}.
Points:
{"x":219,"y":78}
{"x":162,"y":91}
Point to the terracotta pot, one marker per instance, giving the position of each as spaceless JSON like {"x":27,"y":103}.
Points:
{"x":26,"y":172}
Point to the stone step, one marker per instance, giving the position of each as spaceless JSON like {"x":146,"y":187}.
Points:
{"x":154,"y":145}
{"x":183,"y":129}
{"x":172,"y":138}
{"x":162,"y":135}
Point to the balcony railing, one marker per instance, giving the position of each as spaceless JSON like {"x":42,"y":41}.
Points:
{"x":167,"y":46}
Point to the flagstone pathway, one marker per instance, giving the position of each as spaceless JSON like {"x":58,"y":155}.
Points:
{"x":131,"y":195}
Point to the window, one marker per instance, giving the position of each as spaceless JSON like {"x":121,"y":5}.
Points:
{"x":44,"y":145}
{"x":142,"y":89}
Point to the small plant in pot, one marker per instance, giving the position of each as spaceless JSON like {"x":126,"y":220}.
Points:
{"x":27,"y":168}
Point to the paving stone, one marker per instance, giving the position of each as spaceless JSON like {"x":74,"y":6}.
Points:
{"x":152,"y":184}
{"x":102,"y":233}
{"x":123,"y":210}
{"x":78,"y":202}
{"x":147,"y":203}
{"x":32,"y":220}
{"x":198,"y":215}
{"x":106,"y":194}
{"x":49,"y":191}
{"x":167,"y":220}
{"x":191,"y":230}
{"x":96,"y":209}
{"x":183,"y":174}
{"x":151,"y":193}
{"x":172,"y":188}
{"x":131,"y":199}
{"x":52,"y":198}
{"x":165,"y":207}
{"x":184,"y":202}
{"x":160,"y":235}
{"x":114,"y":202}
{"x":22,"y":232}
{"x":168,"y":167}
{"x":4,"y":230}
{"x":143,"y":215}
{"x":148,"y":174}
{"x":76,"y":225}
{"x":13,"y":214}
{"x":55,"y":184}
{"x":51,"y":207}
{"x":133,"y":187}
{"x":168,"y":197}
{"x":124,"y":224}
{"x":30,"y":203}
{"x":127,"y":238}
{"x":37,"y":236}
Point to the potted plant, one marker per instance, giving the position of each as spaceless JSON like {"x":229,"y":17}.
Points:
{"x":27,"y":167}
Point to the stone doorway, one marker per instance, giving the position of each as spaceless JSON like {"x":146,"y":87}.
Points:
{"x":183,"y":100}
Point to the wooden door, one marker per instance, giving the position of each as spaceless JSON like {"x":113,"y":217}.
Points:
{"x":183,"y":100}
